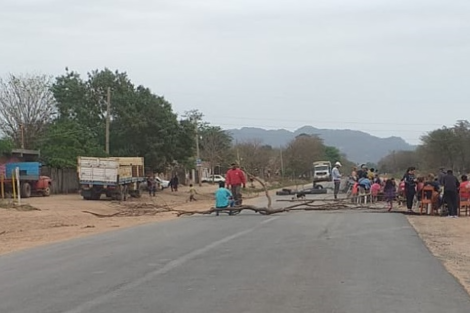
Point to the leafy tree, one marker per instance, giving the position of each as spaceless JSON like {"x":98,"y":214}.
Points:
{"x":302,"y":152}
{"x":332,"y":154}
{"x":398,"y":161}
{"x":6,"y":145}
{"x":142,"y":123}
{"x":215,"y":145}
{"x":439,"y":148}
{"x":65,"y":140}
{"x":27,"y":106}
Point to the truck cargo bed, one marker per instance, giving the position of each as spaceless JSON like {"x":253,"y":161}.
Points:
{"x":110,"y":171}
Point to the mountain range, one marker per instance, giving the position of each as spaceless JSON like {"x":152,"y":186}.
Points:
{"x":358,"y":146}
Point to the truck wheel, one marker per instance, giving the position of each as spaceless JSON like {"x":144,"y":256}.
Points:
{"x":95,"y":196}
{"x":47,"y":191}
{"x":25,"y":190}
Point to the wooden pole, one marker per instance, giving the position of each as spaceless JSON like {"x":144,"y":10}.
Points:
{"x":198,"y":157}
{"x":108,"y":117}
{"x":17,"y":172}
{"x":13,"y":183}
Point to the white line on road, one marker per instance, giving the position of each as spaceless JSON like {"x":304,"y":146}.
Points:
{"x":87,"y":306}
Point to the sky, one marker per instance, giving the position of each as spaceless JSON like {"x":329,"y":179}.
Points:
{"x":386,"y":67}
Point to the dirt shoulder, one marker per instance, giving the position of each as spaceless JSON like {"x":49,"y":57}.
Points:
{"x":449,"y":240}
{"x":61,"y":217}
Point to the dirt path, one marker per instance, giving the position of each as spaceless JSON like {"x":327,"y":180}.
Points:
{"x":61,"y":217}
{"x":449,"y":240}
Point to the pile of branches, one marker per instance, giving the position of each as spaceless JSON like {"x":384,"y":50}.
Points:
{"x":135,"y":209}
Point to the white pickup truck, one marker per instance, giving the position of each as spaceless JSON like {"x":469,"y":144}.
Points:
{"x":321,"y":171}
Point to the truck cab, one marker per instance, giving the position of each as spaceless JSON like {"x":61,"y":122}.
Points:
{"x":321,"y":171}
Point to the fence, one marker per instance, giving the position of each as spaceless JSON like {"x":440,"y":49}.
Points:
{"x":63,"y":180}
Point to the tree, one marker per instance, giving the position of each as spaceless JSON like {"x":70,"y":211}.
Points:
{"x":215,"y":144}
{"x":142,"y":123}
{"x":27,"y":106}
{"x":6,"y":146}
{"x":302,"y":152}
{"x":254,"y":156}
{"x":398,"y":161}
{"x":332,"y":154}
{"x":439,"y":148}
{"x":65,"y":140}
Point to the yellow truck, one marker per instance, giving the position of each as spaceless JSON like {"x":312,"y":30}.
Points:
{"x":115,"y":177}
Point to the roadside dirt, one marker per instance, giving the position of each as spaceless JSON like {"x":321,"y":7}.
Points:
{"x":449,"y":240}
{"x":61,"y":217}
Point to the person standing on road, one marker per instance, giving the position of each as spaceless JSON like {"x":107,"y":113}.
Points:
{"x":451,"y":191}
{"x":174,"y":182}
{"x":410,"y":187}
{"x":235,"y":179}
{"x":336,"y":175}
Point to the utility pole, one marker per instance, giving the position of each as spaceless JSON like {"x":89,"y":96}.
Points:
{"x":198,"y":156}
{"x":108,"y":116}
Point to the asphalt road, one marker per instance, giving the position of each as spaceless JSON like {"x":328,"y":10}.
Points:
{"x":295,"y":262}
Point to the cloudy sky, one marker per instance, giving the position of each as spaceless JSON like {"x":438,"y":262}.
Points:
{"x":387,"y":67}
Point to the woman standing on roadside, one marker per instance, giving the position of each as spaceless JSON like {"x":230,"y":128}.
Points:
{"x":410,"y":187}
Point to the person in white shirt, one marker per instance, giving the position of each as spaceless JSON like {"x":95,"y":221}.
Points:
{"x":336,"y":175}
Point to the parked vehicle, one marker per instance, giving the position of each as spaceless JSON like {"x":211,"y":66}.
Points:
{"x":31,"y":181}
{"x":213,"y":179}
{"x":163,"y":183}
{"x":117,"y":178}
{"x":321,"y":171}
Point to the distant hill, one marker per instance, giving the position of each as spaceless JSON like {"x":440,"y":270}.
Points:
{"x":357,"y":145}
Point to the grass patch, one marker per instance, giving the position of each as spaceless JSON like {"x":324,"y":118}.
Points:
{"x":11,"y":205}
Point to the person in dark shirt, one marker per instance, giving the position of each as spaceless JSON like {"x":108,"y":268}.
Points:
{"x":451,"y":190}
{"x":410,"y":187}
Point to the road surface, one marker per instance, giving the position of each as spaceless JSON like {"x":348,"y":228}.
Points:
{"x":339,"y":262}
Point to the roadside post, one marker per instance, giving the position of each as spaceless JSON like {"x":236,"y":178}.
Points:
{"x":17,"y":172}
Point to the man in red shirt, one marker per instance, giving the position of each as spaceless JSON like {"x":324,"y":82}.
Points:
{"x":235,"y":179}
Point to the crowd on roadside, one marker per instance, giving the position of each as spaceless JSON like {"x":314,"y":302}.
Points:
{"x":444,"y":189}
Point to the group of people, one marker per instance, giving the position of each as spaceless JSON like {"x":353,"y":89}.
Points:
{"x":362,"y":179}
{"x":446,"y":189}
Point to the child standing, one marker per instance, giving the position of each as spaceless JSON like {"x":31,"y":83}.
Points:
{"x":192,"y":193}
{"x":374,"y":191}
{"x":389,"y":192}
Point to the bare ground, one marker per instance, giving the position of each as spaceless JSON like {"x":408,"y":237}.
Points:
{"x":61,"y":217}
{"x":449,"y":240}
